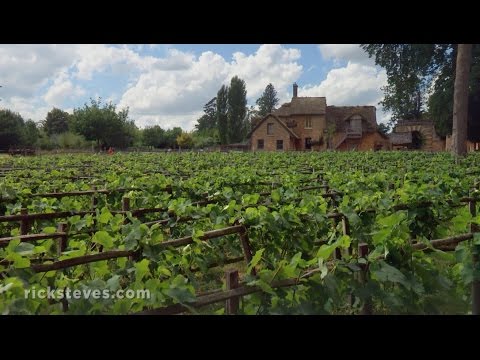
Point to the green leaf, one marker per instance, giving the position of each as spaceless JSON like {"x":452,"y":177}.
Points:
{"x":276,"y":196}
{"x":387,"y":273}
{"x":114,"y":282}
{"x":323,"y":268}
{"x":162,"y":270}
{"x":141,"y":269}
{"x":49,"y":230}
{"x":25,"y":248}
{"x":131,"y":240}
{"x":20,"y":262}
{"x":157,"y":237}
{"x":105,"y":216}
{"x":103,"y":238}
{"x":255,"y":260}
{"x":264,"y":286}
{"x":325,"y":251}
{"x":476,"y":238}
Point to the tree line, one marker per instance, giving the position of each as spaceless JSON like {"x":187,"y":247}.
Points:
{"x":96,"y":124}
{"x":227,"y":119}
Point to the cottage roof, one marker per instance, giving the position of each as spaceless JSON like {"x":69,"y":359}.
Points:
{"x":278,"y":120}
{"x":303,"y":106}
{"x":339,"y":114}
{"x":403,"y":138}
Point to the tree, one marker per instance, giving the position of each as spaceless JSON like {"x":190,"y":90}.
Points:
{"x":421,"y":81}
{"x":104,"y":124}
{"x":268,"y":101}
{"x":12,"y":127}
{"x":31,"y":133}
{"x":205,"y":139}
{"x":185,"y":140}
{"x":222,"y":114}
{"x":237,"y":110}
{"x":208,"y":121}
{"x":56,"y":122}
{"x":408,"y":67}
{"x":171,"y":136}
{"x":252,"y":119}
{"x":460,"y":100}
{"x":153,"y":136}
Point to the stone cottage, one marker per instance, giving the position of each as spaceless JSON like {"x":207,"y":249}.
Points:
{"x":416,"y":135}
{"x":307,"y":123}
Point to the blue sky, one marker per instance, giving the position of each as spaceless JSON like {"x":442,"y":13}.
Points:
{"x":168,"y":84}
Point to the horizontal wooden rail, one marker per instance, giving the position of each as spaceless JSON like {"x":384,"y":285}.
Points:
{"x":444,"y":242}
{"x":80,"y":260}
{"x":206,"y":236}
{"x":216,"y":297}
{"x":44,"y":216}
{"x":27,"y":238}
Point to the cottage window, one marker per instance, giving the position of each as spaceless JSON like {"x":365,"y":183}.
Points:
{"x":260,"y":144}
{"x":279,"y":144}
{"x":308,"y":122}
{"x":356,"y":123}
{"x":270,"y":129}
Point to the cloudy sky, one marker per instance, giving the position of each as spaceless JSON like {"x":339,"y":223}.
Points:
{"x":169,"y":84}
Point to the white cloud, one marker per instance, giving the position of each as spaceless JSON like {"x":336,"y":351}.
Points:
{"x":354,"y":84}
{"x":25,"y":68}
{"x":346,"y":52}
{"x":62,"y":89}
{"x":27,"y":108}
{"x":161,"y":95}
{"x":171,"y":89}
{"x":122,"y":60}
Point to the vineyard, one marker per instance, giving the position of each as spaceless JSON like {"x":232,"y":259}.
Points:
{"x":242,"y":233}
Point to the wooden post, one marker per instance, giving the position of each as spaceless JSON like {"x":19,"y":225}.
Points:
{"x":346,"y":231}
{"x":125,"y":204}
{"x":62,"y":241}
{"x":125,"y":207}
{"x":247,"y":249}
{"x":363,"y":253}
{"x":475,"y":258}
{"x":232,"y":304}
{"x":94,"y":198}
{"x":24,"y":223}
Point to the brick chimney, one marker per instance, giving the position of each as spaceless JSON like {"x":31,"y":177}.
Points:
{"x":295,"y":89}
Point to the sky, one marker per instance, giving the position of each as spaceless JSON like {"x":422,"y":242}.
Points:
{"x":167,"y":85}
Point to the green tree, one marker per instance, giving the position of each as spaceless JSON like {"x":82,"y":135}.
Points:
{"x":12,"y":129}
{"x":408,"y":68}
{"x":252,"y":119}
{"x":420,"y":81}
{"x":31,"y":133}
{"x":237,"y":110}
{"x":222,"y":114}
{"x":171,"y":136}
{"x":56,"y":122}
{"x":103,"y":124}
{"x":185,"y":140}
{"x":268,"y":101}
{"x":153,"y":136}
{"x":205,"y":138}
{"x":208,"y":120}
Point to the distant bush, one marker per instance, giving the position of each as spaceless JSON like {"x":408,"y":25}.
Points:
{"x":66,"y":140}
